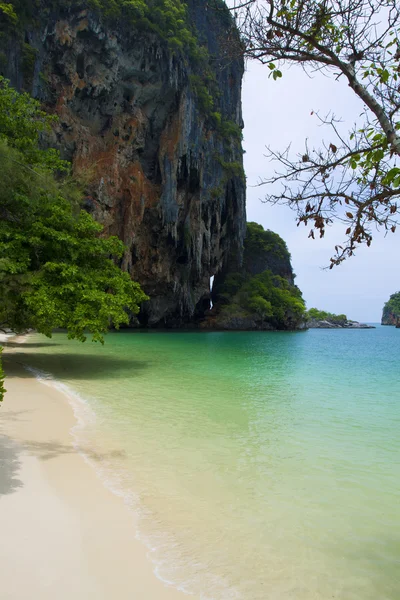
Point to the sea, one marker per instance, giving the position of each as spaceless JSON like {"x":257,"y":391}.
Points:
{"x":257,"y":465}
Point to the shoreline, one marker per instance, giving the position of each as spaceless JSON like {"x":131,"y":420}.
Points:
{"x":64,"y":533}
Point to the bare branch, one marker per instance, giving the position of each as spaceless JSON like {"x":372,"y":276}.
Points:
{"x":354,"y":178}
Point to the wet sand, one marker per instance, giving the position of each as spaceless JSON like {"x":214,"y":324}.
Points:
{"x":64,"y":535}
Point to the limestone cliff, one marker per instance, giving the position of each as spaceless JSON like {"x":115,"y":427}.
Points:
{"x":154,"y":130}
{"x":391,"y":311}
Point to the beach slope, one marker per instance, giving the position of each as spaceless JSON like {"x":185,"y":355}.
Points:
{"x":63,"y":533}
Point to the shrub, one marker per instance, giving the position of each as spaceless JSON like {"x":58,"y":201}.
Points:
{"x":322,"y":315}
{"x":266,"y":297}
{"x":258,"y":239}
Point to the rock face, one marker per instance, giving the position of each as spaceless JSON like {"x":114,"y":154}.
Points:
{"x":391,"y":311}
{"x":326,"y":324}
{"x":161,"y":171}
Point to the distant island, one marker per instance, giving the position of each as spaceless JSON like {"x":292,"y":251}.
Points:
{"x":320,"y":319}
{"x":391,"y":311}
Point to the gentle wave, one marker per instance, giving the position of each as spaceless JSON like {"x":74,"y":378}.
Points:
{"x":111,"y":479}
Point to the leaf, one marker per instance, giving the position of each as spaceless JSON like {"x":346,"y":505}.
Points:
{"x":391,"y":176}
{"x":56,"y":270}
{"x":333,"y":148}
{"x":350,"y":215}
{"x":384,"y":76}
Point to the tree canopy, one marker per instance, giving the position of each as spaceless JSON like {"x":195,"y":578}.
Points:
{"x":323,"y":315}
{"x":353,"y":178}
{"x":258,"y":239}
{"x":56,"y":271}
{"x":391,"y":309}
{"x":264,"y":297}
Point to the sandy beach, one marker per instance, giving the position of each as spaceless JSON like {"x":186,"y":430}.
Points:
{"x":64,"y":535}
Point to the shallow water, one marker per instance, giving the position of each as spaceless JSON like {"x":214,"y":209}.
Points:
{"x":261,"y":465}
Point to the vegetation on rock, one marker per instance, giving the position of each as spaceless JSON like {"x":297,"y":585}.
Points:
{"x":322,"y":315}
{"x":143,"y":117}
{"x":260,"y":240}
{"x":55,"y":269}
{"x":266,"y":297}
{"x":167,"y":19}
{"x":391,"y":310}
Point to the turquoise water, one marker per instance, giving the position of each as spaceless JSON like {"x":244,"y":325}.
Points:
{"x":260,"y":465}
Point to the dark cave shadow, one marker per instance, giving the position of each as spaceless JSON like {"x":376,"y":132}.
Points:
{"x":9,"y":466}
{"x":72,"y":366}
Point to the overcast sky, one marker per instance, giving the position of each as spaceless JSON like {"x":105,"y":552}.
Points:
{"x":277,"y":113}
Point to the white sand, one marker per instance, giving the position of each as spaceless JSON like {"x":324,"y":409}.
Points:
{"x":63,"y":535}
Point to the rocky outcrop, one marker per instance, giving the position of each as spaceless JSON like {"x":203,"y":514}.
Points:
{"x":326,"y":324}
{"x":391,"y":311}
{"x":259,"y":292}
{"x":162,"y":165}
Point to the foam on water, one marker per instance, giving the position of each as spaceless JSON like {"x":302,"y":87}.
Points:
{"x":158,"y":546}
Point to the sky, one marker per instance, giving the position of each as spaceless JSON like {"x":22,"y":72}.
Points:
{"x":276,"y":114}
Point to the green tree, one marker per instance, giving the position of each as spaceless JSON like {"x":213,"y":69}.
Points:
{"x":260,"y":240}
{"x":323,"y":315}
{"x":391,"y":310}
{"x":265,"y":297}
{"x":353,"y":178}
{"x":56,"y":271}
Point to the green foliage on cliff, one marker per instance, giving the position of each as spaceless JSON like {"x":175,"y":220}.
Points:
{"x":264,"y":297}
{"x":55,"y":270}
{"x":227,"y":130}
{"x":232,"y":169}
{"x":167,"y":19}
{"x":8,"y":13}
{"x":322,"y":315}
{"x":261,"y":291}
{"x":2,"y":388}
{"x":260,"y":240}
{"x":391,"y":310}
